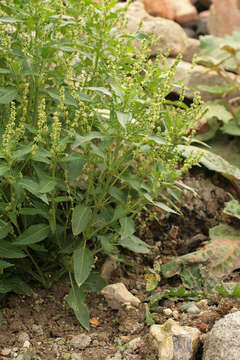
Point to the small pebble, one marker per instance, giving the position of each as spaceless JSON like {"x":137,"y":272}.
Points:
{"x":23,"y":336}
{"x":76,"y":356}
{"x":202,"y":304}
{"x":175,"y":314}
{"x":167,"y":312}
{"x":116,"y":356}
{"x":6,"y":352}
{"x":26,"y":344}
{"x":193,"y":309}
{"x":37,"y":330}
{"x":135,"y":343}
{"x":80,"y":341}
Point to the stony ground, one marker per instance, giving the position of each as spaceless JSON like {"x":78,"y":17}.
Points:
{"x":45,"y":328}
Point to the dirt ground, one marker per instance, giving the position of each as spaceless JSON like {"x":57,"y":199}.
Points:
{"x":43,"y":326}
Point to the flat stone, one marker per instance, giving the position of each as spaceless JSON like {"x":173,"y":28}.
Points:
{"x":224,"y":17}
{"x":80,"y":341}
{"x":76,"y":356}
{"x":117,"y":295}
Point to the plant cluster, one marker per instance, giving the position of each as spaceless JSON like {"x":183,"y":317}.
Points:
{"x":222,"y":55}
{"x":87,"y":141}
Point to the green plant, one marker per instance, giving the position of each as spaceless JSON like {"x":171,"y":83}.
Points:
{"x":221,"y":54}
{"x":88,"y":140}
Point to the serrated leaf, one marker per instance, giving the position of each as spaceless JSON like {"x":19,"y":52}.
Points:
{"x":33,"y":234}
{"x":134,"y":244}
{"x":81,"y":217}
{"x":82,"y":263}
{"x":76,"y":301}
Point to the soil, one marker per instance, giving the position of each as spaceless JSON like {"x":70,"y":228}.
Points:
{"x":43,"y":326}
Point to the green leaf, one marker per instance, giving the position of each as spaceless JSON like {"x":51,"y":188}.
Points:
{"x":106,"y":243}
{"x":127,"y":226}
{"x":218,"y":89}
{"x":4,"y":265}
{"x":149,"y":318}
{"x":10,"y":20}
{"x":231,"y":128}
{"x":81,"y":217}
{"x":117,"y":194}
{"x":14,"y":284}
{"x":80,"y":140}
{"x":94,"y":283}
{"x":9,"y":251}
{"x":123,"y":118}
{"x":7,"y":94}
{"x":33,"y":234}
{"x":3,"y":169}
{"x":82,"y":263}
{"x":219,"y":111}
{"x":232,"y":208}
{"x":76,"y":301}
{"x":134,"y":244}
{"x":5,"y":228}
{"x":102,"y":90}
{"x":212,"y":161}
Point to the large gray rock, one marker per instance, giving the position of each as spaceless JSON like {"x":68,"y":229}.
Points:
{"x":172,"y":34}
{"x":193,"y":76}
{"x":223,"y":341}
{"x":175,"y":342}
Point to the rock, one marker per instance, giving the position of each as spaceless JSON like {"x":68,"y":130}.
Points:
{"x":80,"y":341}
{"x":175,"y":342}
{"x":107,"y":268}
{"x":117,"y":356}
{"x":192,"y":48}
{"x":20,"y":357}
{"x":22,"y":337}
{"x":76,"y":356}
{"x":37,"y":330}
{"x":136,"y":343}
{"x":6,"y":351}
{"x":202,"y":304}
{"x":167,"y":312}
{"x":117,"y":295}
{"x":159,"y":8}
{"x":175,"y":314}
{"x":194,"y":76}
{"x":26,"y":344}
{"x":185,"y":12}
{"x":224,"y":17}
{"x":223,"y":341}
{"x":192,"y":309}
{"x":181,"y":11}
{"x":172,"y":35}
